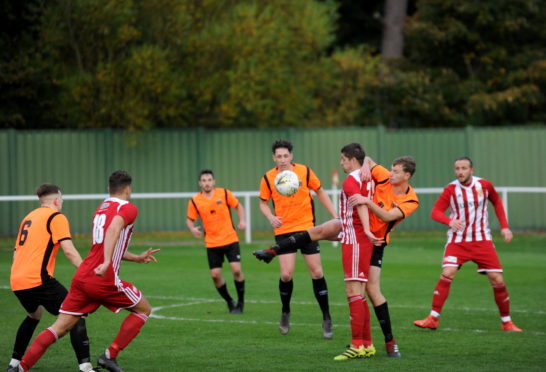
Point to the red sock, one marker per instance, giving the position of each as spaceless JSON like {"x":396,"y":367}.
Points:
{"x":441,"y":291}
{"x":356,"y":311}
{"x":44,"y":340}
{"x":366,"y":329}
{"x":502,"y":299}
{"x":127,"y":332}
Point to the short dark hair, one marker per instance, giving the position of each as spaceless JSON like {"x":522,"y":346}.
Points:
{"x":282,"y":144}
{"x":46,"y":189}
{"x":466,"y":158}
{"x":354,"y":150}
{"x":205,"y":171}
{"x":407,"y":163}
{"x":118,"y":181}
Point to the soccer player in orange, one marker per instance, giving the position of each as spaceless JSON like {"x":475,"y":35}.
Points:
{"x":212,"y":204}
{"x":393,"y":201}
{"x":290,"y":215}
{"x":469,"y":239}
{"x":42,"y":232}
{"x":97,"y":282}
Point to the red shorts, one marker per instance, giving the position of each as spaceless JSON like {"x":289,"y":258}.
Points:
{"x":483,"y":253}
{"x":356,"y":260}
{"x":86,"y":297}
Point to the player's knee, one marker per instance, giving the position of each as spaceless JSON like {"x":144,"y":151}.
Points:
{"x":286,"y":276}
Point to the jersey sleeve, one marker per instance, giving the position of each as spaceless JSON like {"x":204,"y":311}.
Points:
{"x":439,"y":208}
{"x":232,"y":200}
{"x":408,"y":207}
{"x":192,"y":210}
{"x":380,"y":174}
{"x":497,"y":203}
{"x":129,"y":213}
{"x":314,"y":182}
{"x":265,"y":189}
{"x":60,"y":228}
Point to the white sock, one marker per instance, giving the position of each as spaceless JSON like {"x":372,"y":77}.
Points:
{"x":86,"y":367}
{"x":14,"y":362}
{"x":434,"y":313}
{"x":505,"y":319}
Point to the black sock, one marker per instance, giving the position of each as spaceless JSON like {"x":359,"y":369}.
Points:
{"x":240,"y":287}
{"x":80,"y":341}
{"x":321,"y":294}
{"x":294,"y":241}
{"x":382,"y":314}
{"x":24,"y":334}
{"x":285,"y":288}
{"x":224,"y":293}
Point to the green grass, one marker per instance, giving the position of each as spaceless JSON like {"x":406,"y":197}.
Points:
{"x":195,"y":332}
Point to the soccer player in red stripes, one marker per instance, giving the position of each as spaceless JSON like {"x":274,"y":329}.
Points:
{"x":469,"y":239}
{"x":97,"y":282}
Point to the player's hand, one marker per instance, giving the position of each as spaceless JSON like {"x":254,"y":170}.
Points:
{"x":358,"y":199}
{"x":457,"y":225}
{"x":507,"y":235}
{"x":101,"y":269}
{"x":147,"y":256}
{"x":242,"y":225}
{"x":375,"y":240}
{"x":196,"y":231}
{"x":365,"y":173}
{"x":276,"y":222}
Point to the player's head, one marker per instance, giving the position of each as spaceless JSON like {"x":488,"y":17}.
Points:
{"x":464,"y":169}
{"x":206,"y":180}
{"x":282,"y":153}
{"x":352,"y":157}
{"x":402,"y":170}
{"x":50,"y":195}
{"x":119,"y":182}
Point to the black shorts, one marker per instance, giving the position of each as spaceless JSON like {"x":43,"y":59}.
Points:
{"x":377,"y":255}
{"x":216,"y":255}
{"x":50,"y":295}
{"x":311,"y":248}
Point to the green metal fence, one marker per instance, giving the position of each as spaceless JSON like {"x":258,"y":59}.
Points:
{"x":169,"y":161}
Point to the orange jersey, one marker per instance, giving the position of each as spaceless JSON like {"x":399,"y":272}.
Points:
{"x":216,"y":216}
{"x":36,"y":247}
{"x":385,"y":198}
{"x":297,"y":212}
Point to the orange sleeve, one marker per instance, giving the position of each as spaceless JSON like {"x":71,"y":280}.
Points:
{"x":232,"y":201}
{"x":380,"y":174}
{"x":192,"y":210}
{"x":314,"y":182}
{"x":265,"y":191}
{"x":408,"y":207}
{"x":60,"y":228}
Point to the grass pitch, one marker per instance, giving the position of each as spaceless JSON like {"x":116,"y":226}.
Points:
{"x":191,"y":330}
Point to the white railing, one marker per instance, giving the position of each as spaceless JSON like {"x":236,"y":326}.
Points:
{"x":246,"y":196}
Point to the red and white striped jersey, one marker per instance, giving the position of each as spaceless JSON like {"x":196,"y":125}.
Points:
{"x":469,"y":204}
{"x":104,"y":214}
{"x":350,"y":221}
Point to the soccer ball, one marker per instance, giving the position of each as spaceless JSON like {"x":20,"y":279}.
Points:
{"x":287,"y":183}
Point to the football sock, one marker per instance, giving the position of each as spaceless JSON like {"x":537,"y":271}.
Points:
{"x":366,"y":328}
{"x":24,"y":334}
{"x":224,"y":293}
{"x":127,"y":332}
{"x":80,"y":341}
{"x":356,"y":313}
{"x":441,"y":291}
{"x":44,"y":340}
{"x":285,"y":289}
{"x":502,"y":299}
{"x":382,"y":314}
{"x":240,"y":287}
{"x":321,"y":294}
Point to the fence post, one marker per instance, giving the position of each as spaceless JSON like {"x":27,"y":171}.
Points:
{"x":248,"y":217}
